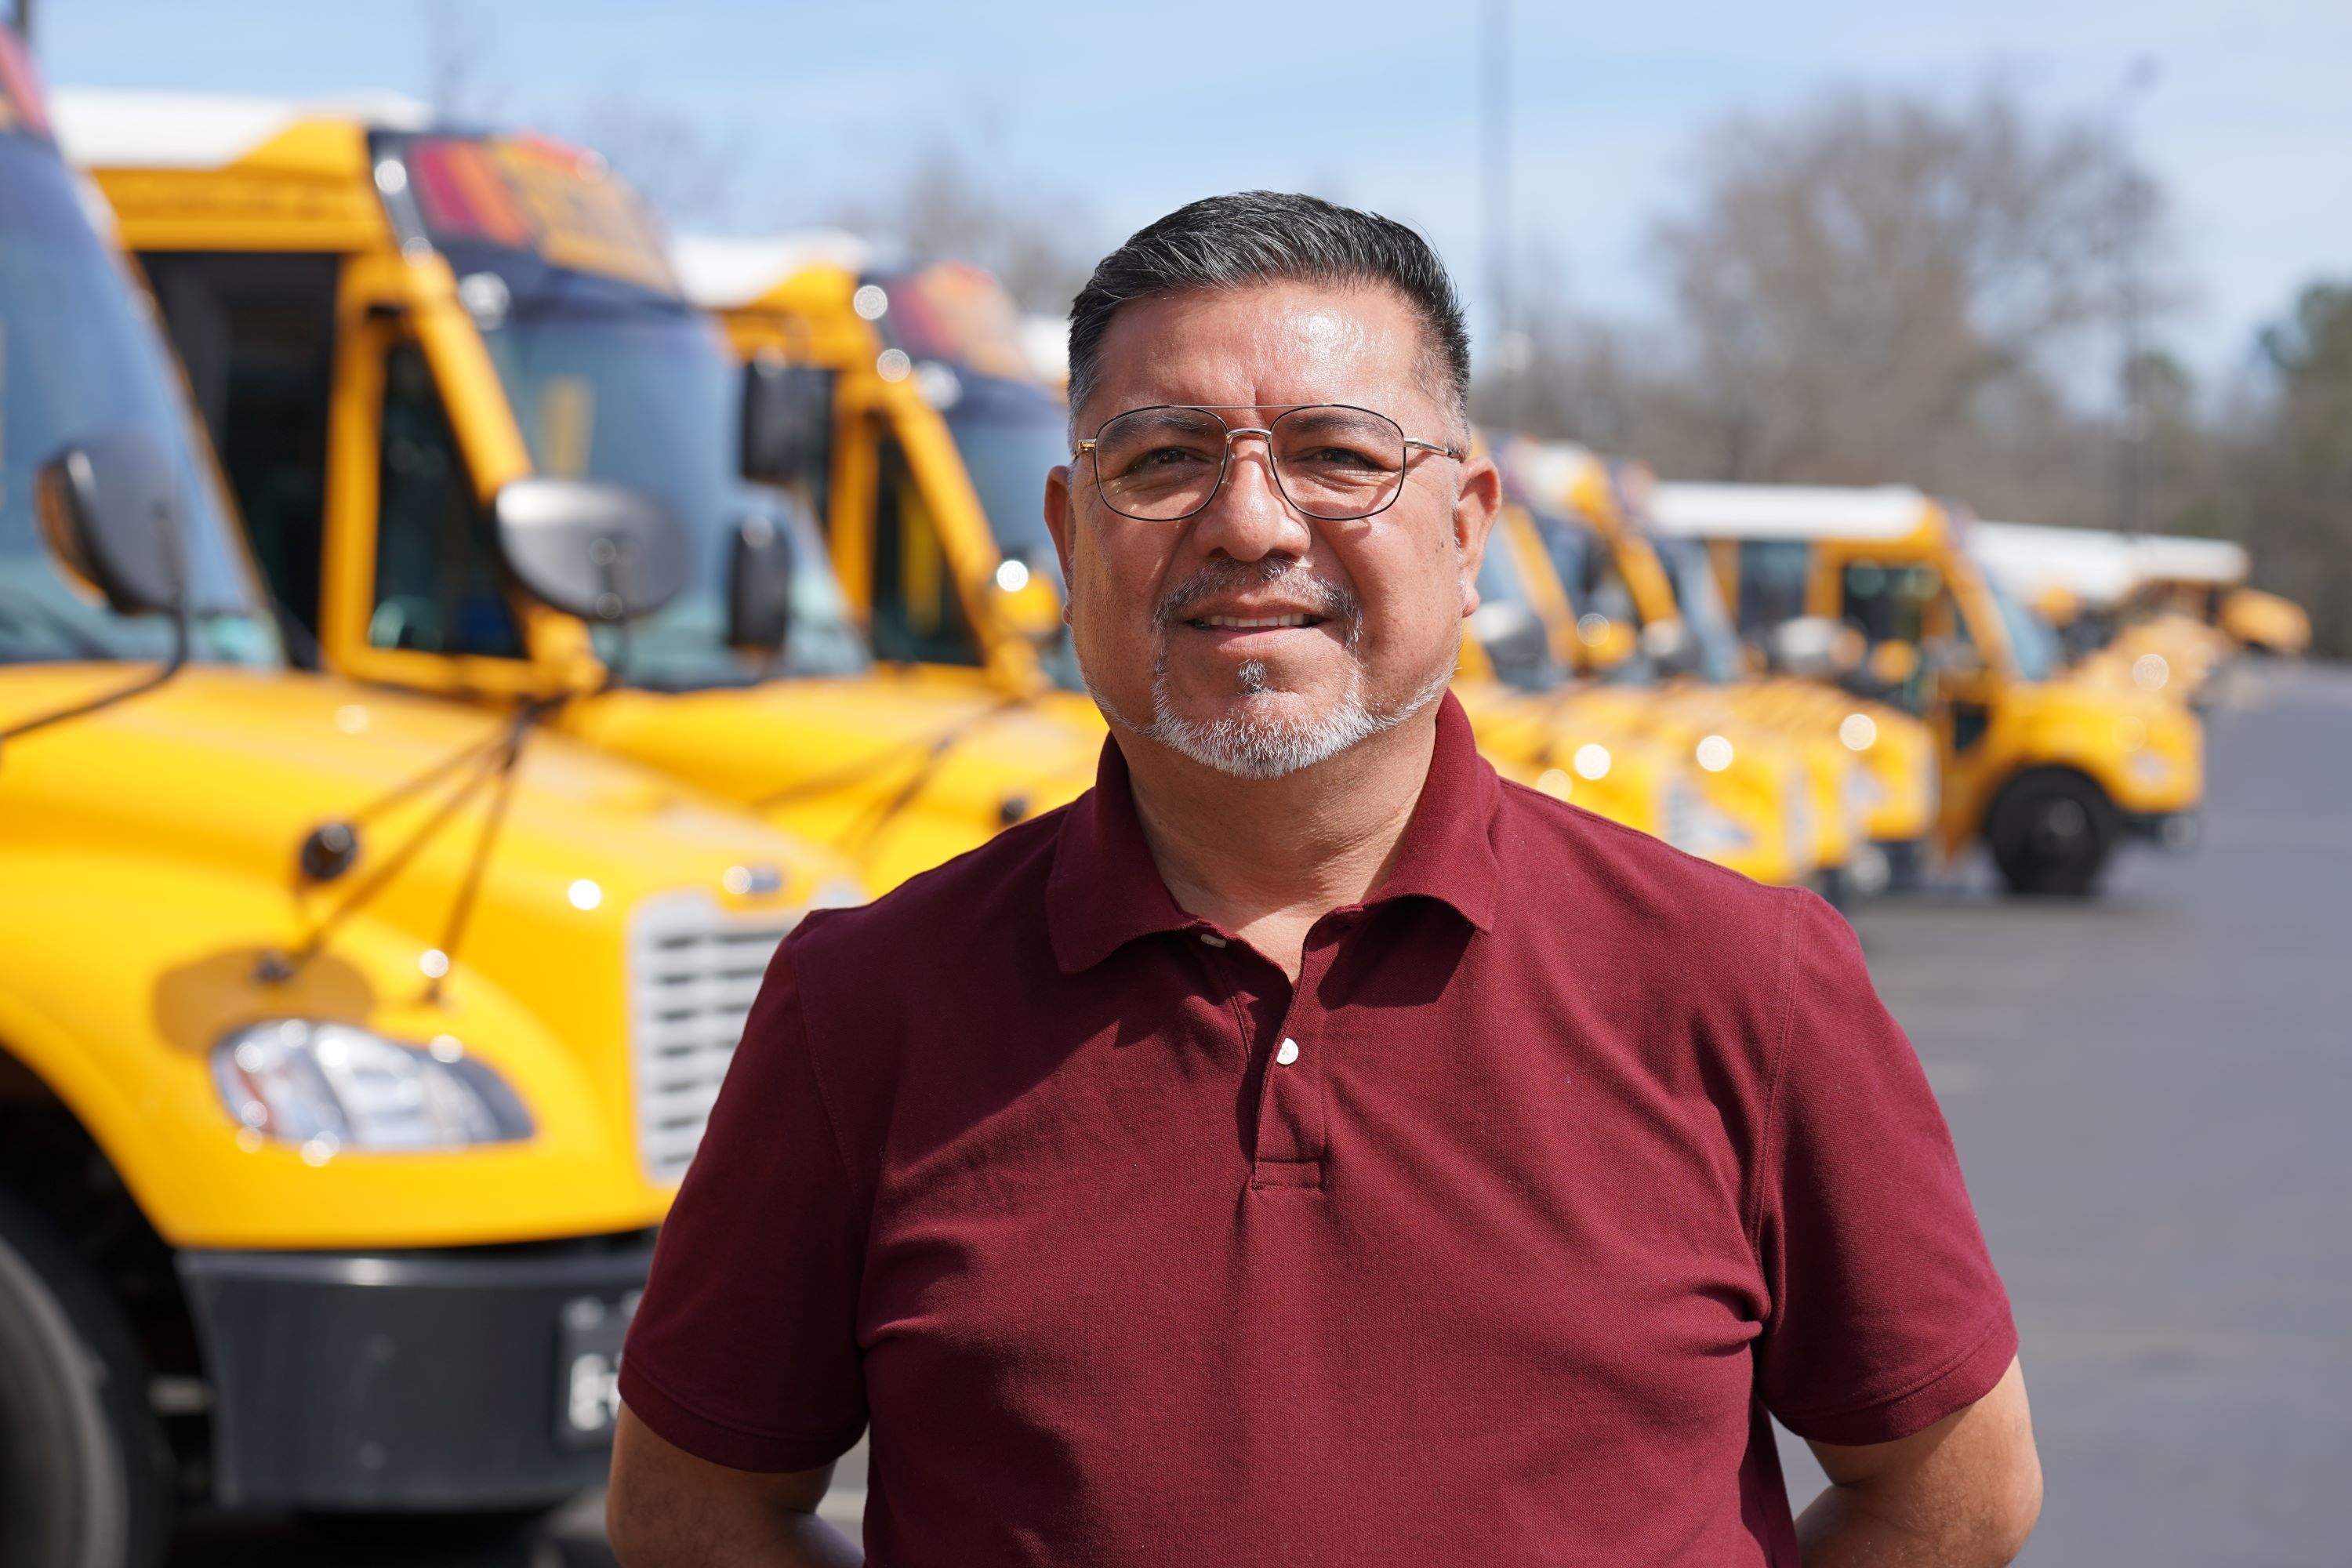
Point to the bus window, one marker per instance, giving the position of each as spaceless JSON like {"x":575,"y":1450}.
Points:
{"x":258,"y":337}
{"x":1887,"y":603}
{"x":1772,"y":574}
{"x":437,"y":588}
{"x":919,"y":615}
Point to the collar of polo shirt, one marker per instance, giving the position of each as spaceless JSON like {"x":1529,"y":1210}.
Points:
{"x":1106,"y":891}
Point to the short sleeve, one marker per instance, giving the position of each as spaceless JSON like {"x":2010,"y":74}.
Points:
{"x":744,"y":1348}
{"x":1885,"y":1314}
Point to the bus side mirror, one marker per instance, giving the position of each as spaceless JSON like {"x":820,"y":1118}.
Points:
{"x":601,"y":552}
{"x":759,"y":586}
{"x":787,"y":420}
{"x":110,"y":509}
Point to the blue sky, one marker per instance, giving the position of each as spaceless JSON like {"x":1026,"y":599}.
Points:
{"x":1132,"y":108}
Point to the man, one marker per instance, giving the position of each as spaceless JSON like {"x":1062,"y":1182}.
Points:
{"x":1305,"y":1149}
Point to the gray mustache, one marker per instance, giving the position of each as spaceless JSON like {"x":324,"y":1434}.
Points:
{"x":1323,"y":597}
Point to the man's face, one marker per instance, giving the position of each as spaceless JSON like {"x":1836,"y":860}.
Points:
{"x":1377,"y":602}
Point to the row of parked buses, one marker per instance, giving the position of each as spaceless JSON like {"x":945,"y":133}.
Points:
{"x":426,"y":705}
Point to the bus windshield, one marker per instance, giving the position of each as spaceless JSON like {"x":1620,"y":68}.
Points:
{"x":1700,"y":600}
{"x":79,"y":356}
{"x":612,"y":381}
{"x":1010,"y":434}
{"x":2032,"y":645}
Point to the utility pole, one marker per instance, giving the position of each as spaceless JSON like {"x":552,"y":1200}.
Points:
{"x":22,"y":14}
{"x":1495,"y":124}
{"x":2132,"y":421}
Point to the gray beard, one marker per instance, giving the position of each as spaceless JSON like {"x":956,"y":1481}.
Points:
{"x":1253,"y":744}
{"x":1259,"y":740}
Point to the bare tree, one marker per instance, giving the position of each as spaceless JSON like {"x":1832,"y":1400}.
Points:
{"x":2292,"y":501}
{"x":1040,"y":243}
{"x":1571,"y":372}
{"x":460,"y":61}
{"x":1884,"y":288}
{"x":685,"y":173}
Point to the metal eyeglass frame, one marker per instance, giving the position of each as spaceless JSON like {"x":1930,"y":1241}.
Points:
{"x":1087,"y":449}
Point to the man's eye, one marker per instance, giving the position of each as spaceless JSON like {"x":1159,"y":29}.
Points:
{"x":1338,"y":457}
{"x":1162,"y":458}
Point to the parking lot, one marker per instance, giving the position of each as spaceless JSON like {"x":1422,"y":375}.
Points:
{"x":2147,"y":1091}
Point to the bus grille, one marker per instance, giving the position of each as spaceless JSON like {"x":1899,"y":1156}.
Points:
{"x":693,"y":971}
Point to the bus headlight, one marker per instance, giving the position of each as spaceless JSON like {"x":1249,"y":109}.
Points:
{"x":327,"y":1087}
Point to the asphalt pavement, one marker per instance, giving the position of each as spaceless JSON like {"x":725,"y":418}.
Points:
{"x":2148,"y":1090}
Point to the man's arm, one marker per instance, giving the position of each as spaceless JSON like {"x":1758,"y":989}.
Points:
{"x":668,"y":1508}
{"x":1964,"y":1493}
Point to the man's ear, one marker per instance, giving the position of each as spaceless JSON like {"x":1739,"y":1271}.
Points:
{"x":1477,"y":504}
{"x":1062,"y":524}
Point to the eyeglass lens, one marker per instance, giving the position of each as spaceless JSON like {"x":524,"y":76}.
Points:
{"x":1331,"y":462}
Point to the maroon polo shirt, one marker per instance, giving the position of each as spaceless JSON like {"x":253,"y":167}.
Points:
{"x":1494,"y":1239}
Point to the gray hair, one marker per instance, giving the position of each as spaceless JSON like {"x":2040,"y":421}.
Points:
{"x":1268,"y":237}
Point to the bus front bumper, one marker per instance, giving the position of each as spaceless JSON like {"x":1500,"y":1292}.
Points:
{"x":458,"y":1380}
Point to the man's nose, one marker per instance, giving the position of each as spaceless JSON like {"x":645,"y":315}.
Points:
{"x":1248,"y":519}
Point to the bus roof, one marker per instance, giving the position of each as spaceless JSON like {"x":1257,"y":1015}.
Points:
{"x":2098,"y":565}
{"x":104,"y":128}
{"x":728,"y":274}
{"x":2175,"y":558}
{"x":2093,"y":564}
{"x":1788,"y":511}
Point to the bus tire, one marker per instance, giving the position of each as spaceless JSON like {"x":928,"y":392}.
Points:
{"x":85,"y":1473}
{"x":2052,"y":832}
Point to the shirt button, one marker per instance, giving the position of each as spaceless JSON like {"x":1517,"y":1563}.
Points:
{"x":1287,"y":1052}
{"x":1212,"y":940}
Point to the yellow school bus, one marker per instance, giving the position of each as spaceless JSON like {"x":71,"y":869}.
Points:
{"x":2122,"y":610}
{"x":2051,"y":771}
{"x":2161,"y":611}
{"x":1869,"y":761}
{"x":387,"y":324}
{"x":1738,"y":797}
{"x":352,"y":1042}
{"x":930,"y":478}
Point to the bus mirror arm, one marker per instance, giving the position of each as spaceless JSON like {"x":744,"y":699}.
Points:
{"x":760,"y":587}
{"x":108,"y":509}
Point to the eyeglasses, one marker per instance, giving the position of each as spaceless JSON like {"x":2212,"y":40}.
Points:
{"x":1333,"y":462}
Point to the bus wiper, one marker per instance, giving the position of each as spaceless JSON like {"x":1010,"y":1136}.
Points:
{"x":171,"y":666}
{"x":331,"y":849}
{"x":928,"y":753}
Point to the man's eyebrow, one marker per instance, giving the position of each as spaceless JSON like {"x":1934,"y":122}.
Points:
{"x":1160,"y":412}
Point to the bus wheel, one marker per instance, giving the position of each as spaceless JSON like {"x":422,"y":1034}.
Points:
{"x":2051,"y":834}
{"x":85,"y":1477}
